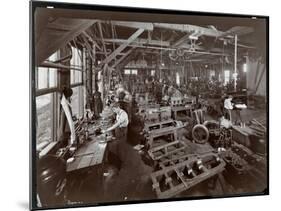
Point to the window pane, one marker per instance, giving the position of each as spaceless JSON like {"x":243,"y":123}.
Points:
{"x":127,"y":71}
{"x":72,"y":60}
{"x":44,"y":118}
{"x":76,"y":75}
{"x":134,"y":72}
{"x":53,"y":57}
{"x":226,"y":76}
{"x":75,"y":101}
{"x":177,"y":78}
{"x":80,"y":77}
{"x":75,"y":60}
{"x":42,"y":77}
{"x":72,"y":77}
{"x":52,"y":77}
{"x":47,"y":77}
{"x":212,"y":74}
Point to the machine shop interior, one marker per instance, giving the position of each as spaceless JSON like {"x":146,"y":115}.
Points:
{"x":139,"y":107}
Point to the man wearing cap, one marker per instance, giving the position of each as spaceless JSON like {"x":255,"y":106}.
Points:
{"x":120,"y":126}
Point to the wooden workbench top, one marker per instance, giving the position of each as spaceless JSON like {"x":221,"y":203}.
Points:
{"x":89,"y":155}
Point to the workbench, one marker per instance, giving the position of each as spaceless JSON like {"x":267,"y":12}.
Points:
{"x":181,"y":113}
{"x":91,"y":154}
{"x":87,"y":169}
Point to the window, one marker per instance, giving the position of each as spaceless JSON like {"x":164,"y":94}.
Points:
{"x":152,"y":73}
{"x":127,"y":72}
{"x":226,"y":77}
{"x":244,"y":67}
{"x":77,"y":101}
{"x":130,"y":72}
{"x":47,"y":77}
{"x":44,"y":118}
{"x":76,"y":78}
{"x":47,"y":105}
{"x":212,"y":74}
{"x":42,"y":81}
{"x":177,"y":78}
{"x":76,"y":61}
{"x":134,"y":72}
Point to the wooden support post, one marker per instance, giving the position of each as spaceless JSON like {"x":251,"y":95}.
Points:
{"x":93,"y":68}
{"x":83,"y":58}
{"x":102,"y":39}
{"x":122,"y":47}
{"x":235,"y":62}
{"x":64,"y":73}
{"x":88,"y":74}
{"x":123,"y":57}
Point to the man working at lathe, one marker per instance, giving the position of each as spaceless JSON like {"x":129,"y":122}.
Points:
{"x":119,"y":145}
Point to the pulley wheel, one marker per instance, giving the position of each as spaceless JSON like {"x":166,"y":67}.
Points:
{"x":200,"y":134}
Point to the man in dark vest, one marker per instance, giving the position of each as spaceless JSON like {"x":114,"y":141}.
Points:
{"x":119,"y":145}
{"x":97,"y":103}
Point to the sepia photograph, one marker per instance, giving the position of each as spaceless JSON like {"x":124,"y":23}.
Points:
{"x":135,"y":105}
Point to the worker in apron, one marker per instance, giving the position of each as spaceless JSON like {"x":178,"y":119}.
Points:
{"x":119,"y":145}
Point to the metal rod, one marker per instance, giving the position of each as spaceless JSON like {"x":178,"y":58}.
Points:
{"x":65,"y":58}
{"x":57,"y":65}
{"x":235,"y":62}
{"x":172,"y":49}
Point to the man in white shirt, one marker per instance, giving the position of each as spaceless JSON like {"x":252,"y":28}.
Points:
{"x":119,"y":146}
{"x":233,"y":112}
{"x":228,"y":104}
{"x":122,"y":120}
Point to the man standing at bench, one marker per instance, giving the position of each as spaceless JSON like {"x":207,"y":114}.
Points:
{"x":119,"y":145}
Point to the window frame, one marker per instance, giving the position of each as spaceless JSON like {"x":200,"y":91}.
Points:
{"x":54,"y":104}
{"x":226,"y":79}
{"x":56,"y":54}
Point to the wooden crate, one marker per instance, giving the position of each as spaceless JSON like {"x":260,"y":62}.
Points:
{"x":173,"y":179}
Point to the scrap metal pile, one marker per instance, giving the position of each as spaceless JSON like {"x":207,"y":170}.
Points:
{"x":177,"y":168}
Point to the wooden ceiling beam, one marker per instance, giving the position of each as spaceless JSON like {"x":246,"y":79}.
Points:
{"x":189,"y":29}
{"x":123,"y":57}
{"x":140,"y":41}
{"x":181,"y":40}
{"x":122,"y":47}
{"x":48,"y":43}
{"x":135,"y":25}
